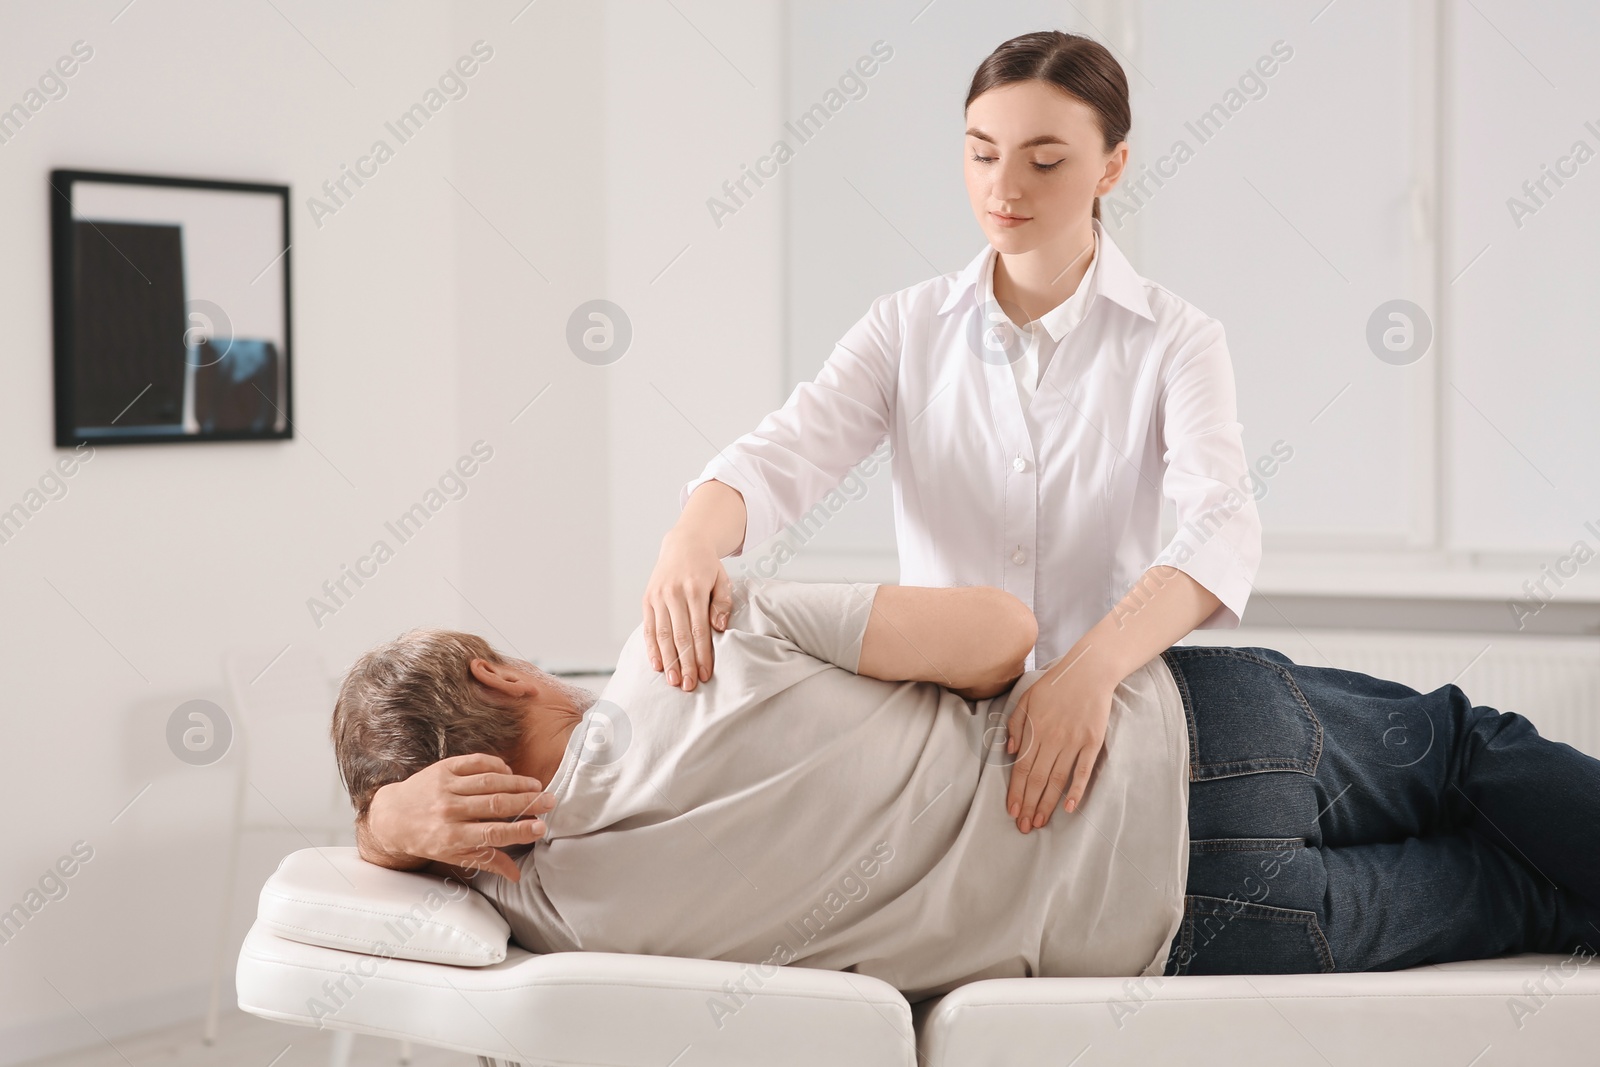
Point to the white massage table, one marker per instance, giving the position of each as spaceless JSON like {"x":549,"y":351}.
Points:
{"x":327,"y":944}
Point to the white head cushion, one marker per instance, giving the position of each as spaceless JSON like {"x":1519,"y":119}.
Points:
{"x":334,"y":898}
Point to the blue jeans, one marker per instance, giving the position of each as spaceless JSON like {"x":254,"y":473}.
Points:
{"x":1340,"y":822}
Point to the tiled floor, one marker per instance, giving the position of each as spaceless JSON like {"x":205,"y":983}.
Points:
{"x":246,"y":1041}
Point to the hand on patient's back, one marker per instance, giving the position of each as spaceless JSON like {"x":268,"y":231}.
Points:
{"x":455,"y":812}
{"x":689,"y":593}
{"x":1056,"y":732}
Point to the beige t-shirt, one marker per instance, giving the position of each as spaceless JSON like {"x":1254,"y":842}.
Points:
{"x":790,"y":811}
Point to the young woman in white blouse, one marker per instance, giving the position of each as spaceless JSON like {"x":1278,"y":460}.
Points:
{"x":1040,"y":403}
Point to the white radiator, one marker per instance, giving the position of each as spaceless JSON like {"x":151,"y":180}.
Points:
{"x":1553,"y":681}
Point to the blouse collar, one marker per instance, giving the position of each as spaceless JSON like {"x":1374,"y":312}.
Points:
{"x":1111,"y":275}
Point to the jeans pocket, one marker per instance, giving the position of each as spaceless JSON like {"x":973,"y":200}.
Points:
{"x":1280,"y":872}
{"x":1223,"y":936}
{"x":1245,"y":713}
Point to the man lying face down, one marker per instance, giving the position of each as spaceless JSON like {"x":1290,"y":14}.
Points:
{"x":836,"y":797}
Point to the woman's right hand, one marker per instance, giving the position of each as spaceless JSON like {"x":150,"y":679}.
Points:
{"x":689,"y":593}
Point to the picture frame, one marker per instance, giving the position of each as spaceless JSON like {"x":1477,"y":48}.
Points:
{"x":172,"y":309}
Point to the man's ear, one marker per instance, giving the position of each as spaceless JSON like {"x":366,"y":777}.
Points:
{"x":503,"y":679}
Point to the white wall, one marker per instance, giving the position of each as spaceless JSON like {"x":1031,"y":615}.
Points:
{"x":1523,"y":377}
{"x":692,"y":96}
{"x":532,"y":156}
{"x":1289,"y":225}
{"x":121,"y":597}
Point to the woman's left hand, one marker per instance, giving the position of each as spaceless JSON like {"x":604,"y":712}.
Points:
{"x":1055,"y":731}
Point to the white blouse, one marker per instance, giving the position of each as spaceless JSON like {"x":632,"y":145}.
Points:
{"x":1134,"y":402}
{"x":1036,"y":354}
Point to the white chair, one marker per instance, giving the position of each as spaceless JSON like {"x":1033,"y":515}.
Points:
{"x":288,"y":780}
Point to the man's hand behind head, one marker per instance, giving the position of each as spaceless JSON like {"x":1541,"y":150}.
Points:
{"x":461,"y":811}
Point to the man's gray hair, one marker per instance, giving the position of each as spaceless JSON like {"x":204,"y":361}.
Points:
{"x":414,"y":701}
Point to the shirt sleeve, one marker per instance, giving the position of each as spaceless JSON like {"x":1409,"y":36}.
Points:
{"x":801,"y":451}
{"x":826,"y":620}
{"x":1218,"y":540}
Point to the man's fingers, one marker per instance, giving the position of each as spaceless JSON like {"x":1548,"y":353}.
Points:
{"x":473,"y":763}
{"x":478,"y":842}
{"x":487,"y":807}
{"x":504,"y":866}
{"x":506,"y":834}
{"x":492,"y":782}
{"x":487,"y":839}
{"x":486,"y":858}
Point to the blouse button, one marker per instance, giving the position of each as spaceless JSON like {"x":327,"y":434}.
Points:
{"x":1019,"y":557}
{"x":1019,"y":464}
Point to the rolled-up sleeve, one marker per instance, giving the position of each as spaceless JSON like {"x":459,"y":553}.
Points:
{"x":802,"y":450}
{"x":1218,"y":540}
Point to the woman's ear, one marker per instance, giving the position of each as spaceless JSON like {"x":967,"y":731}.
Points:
{"x":1116,"y":163}
{"x":504,"y":680}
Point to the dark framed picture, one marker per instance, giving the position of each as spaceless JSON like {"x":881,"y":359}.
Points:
{"x":171,"y":309}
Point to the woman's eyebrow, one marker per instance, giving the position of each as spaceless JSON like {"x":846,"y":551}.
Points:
{"x":1045,"y":138}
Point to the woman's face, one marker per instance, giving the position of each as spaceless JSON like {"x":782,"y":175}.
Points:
{"x":1035,"y":154}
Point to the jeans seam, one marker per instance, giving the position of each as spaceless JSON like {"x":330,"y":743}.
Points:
{"x":1305,"y":917}
{"x":1245,"y":844}
{"x":1188,"y":711}
{"x":1323,"y":948}
{"x":1235,"y":768}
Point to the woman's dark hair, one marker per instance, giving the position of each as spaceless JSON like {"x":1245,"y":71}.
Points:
{"x":1079,"y":66}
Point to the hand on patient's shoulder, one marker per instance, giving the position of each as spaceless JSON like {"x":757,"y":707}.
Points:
{"x":460,"y":811}
{"x":687,"y":598}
